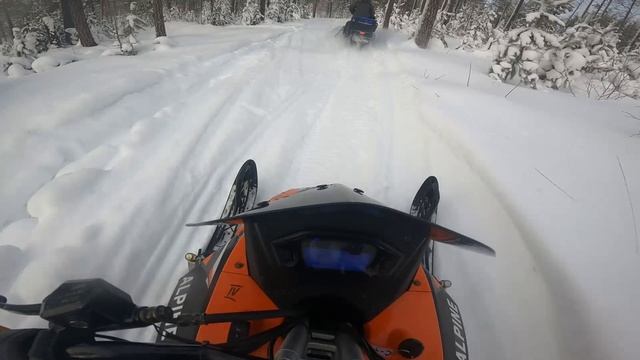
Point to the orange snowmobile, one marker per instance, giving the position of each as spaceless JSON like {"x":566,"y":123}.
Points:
{"x":317,"y":273}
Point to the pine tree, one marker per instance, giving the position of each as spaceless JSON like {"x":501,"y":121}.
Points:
{"x":221,"y":12}
{"x":251,"y":13}
{"x":534,"y":52}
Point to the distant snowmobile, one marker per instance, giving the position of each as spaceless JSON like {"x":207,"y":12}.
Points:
{"x":361,"y":28}
{"x":318,"y":273}
{"x":360,"y":31}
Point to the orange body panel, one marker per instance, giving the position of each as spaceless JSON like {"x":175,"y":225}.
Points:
{"x":413,"y":315}
{"x":285,"y":194}
{"x":236,"y":291}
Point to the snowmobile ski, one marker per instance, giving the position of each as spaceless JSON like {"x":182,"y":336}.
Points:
{"x":424,"y":206}
{"x":425,"y":203}
{"x":242,"y":197}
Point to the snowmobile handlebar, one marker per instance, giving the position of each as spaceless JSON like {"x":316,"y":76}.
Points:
{"x":78,"y":310}
{"x":96,"y":305}
{"x":32,"y":309}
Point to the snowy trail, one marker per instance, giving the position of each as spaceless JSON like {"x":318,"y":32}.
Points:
{"x":110,"y":185}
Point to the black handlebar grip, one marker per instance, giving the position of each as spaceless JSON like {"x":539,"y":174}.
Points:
{"x":154,"y":314}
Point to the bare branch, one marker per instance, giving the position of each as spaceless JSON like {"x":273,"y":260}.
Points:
{"x":633,"y":212}
{"x":513,"y":89}
{"x":556,"y":185}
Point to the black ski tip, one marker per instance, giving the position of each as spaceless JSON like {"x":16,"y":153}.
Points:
{"x":443,"y":235}
{"x":248,"y":174}
{"x":425,"y":202}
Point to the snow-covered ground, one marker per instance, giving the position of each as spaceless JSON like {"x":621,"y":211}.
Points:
{"x":102,"y":161}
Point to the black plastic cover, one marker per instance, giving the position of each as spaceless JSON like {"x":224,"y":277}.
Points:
{"x":400,"y":240}
{"x":91,"y":304}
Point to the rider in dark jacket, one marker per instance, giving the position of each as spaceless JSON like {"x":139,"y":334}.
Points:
{"x":363,"y":8}
{"x":360,"y":8}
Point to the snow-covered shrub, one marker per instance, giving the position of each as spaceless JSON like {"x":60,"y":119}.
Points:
{"x":5,"y":63}
{"x":25,"y":44}
{"x":102,"y":27}
{"x":177,"y":14}
{"x":276,"y":12}
{"x":124,"y":30}
{"x":132,"y":24}
{"x":293,"y":11}
{"x":283,"y":11}
{"x":530,"y":53}
{"x":142,"y":9}
{"x":407,"y":22}
{"x":548,"y":12}
{"x":473,"y":24}
{"x":221,"y":13}
{"x":251,"y":13}
{"x":53,"y":30}
{"x":535,"y":54}
{"x":44,"y":26}
{"x":596,"y":44}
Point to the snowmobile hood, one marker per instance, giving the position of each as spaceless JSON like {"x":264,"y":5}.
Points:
{"x":324,"y":199}
{"x":339,"y":208}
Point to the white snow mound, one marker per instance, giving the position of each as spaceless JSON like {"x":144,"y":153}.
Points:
{"x":163,"y":43}
{"x":45,"y":63}
{"x":17,"y":71}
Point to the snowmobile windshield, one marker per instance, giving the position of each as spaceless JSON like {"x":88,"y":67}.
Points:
{"x":333,"y":254}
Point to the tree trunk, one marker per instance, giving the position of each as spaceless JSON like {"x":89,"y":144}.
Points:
{"x":67,"y":21}
{"x":7,"y":16}
{"x":584,"y":13}
{"x":424,"y":3}
{"x":624,"y":21}
{"x":502,"y":14}
{"x":90,"y":4}
{"x":158,"y":18}
{"x":406,"y":7}
{"x":633,"y":41}
{"x":330,"y":8}
{"x":169,"y":5}
{"x":315,"y":7}
{"x":450,"y":11}
{"x":263,"y":7}
{"x":598,"y":9}
{"x":80,"y":21}
{"x":427,"y":21}
{"x":575,"y":10}
{"x":3,"y":34}
{"x":513,"y":16}
{"x":388,"y":13}
{"x":604,"y":12}
{"x":444,"y":4}
{"x":451,"y":7}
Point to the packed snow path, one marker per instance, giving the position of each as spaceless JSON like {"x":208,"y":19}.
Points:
{"x":103,"y":161}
